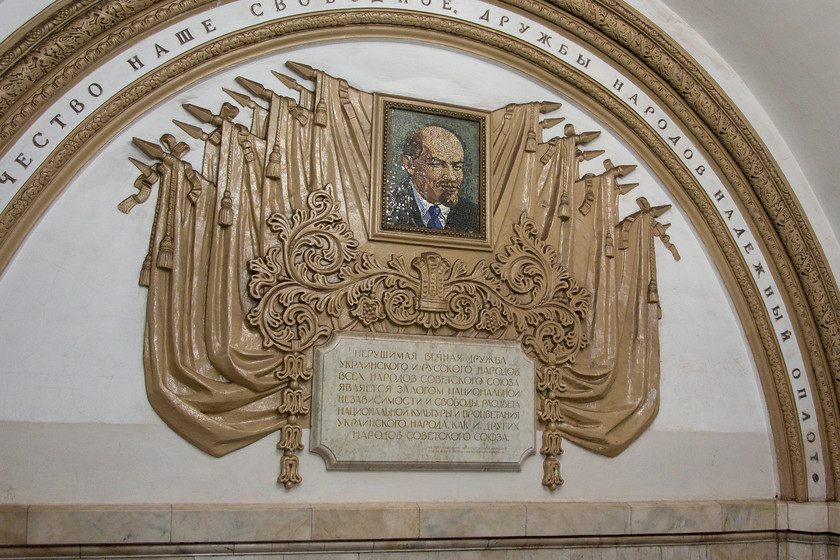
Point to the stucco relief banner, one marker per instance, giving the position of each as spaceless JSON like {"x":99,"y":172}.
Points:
{"x":287,"y":200}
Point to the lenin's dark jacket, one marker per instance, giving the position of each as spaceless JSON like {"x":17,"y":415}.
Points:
{"x":402,"y":210}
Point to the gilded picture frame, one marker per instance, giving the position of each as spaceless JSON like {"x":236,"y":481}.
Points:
{"x":428,"y":154}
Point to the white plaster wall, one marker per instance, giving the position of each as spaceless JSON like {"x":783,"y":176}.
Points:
{"x":75,"y":425}
{"x":798,"y":54}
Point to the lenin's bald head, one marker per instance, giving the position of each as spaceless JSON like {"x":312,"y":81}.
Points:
{"x":434,"y":159}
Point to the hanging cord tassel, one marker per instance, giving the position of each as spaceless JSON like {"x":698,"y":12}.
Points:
{"x":146,"y":271}
{"x":226,"y":212}
{"x":563,"y":211}
{"x":609,"y":246}
{"x":653,"y":293}
{"x":321,"y":114}
{"x":531,"y":142}
{"x":166,"y":252}
{"x":321,"y":107}
{"x":146,"y":268}
{"x":273,"y":170}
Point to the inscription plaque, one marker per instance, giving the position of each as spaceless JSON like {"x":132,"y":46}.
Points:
{"x":421,"y":402}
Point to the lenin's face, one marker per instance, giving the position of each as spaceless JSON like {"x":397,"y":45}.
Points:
{"x":437,"y":173}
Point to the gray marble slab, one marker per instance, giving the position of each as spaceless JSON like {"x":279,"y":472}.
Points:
{"x":421,"y":402}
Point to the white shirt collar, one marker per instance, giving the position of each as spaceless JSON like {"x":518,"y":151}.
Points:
{"x":424,"y":206}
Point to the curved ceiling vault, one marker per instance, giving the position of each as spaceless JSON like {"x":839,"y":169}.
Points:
{"x":55,"y":54}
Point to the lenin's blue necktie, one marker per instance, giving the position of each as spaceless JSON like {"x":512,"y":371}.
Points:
{"x":434,"y":218}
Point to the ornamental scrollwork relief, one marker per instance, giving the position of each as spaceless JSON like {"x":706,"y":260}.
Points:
{"x":317,"y":265}
{"x":258,"y":258}
{"x":303,"y":285}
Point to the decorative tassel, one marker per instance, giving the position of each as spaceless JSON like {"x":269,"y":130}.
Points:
{"x":289,"y":442}
{"x":146,"y":271}
{"x":293,"y":400}
{"x":321,"y":114}
{"x":551,"y":443}
{"x":551,"y":379}
{"x":653,"y":293}
{"x":551,"y":410}
{"x":290,"y":437}
{"x":609,"y":248}
{"x":226,"y":213}
{"x":166,"y":253}
{"x":563,"y":211}
{"x":273,"y":170}
{"x":531,"y":142}
{"x":289,"y":472}
{"x":551,"y":473}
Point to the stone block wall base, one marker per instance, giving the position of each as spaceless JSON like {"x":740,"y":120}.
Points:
{"x":708,"y":530}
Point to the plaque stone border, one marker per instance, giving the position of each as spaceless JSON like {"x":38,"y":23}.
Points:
{"x":334,"y":463}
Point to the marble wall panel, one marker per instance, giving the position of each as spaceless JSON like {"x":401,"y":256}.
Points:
{"x":200,"y":523}
{"x":379,"y":521}
{"x":12,"y":525}
{"x":102,"y":524}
